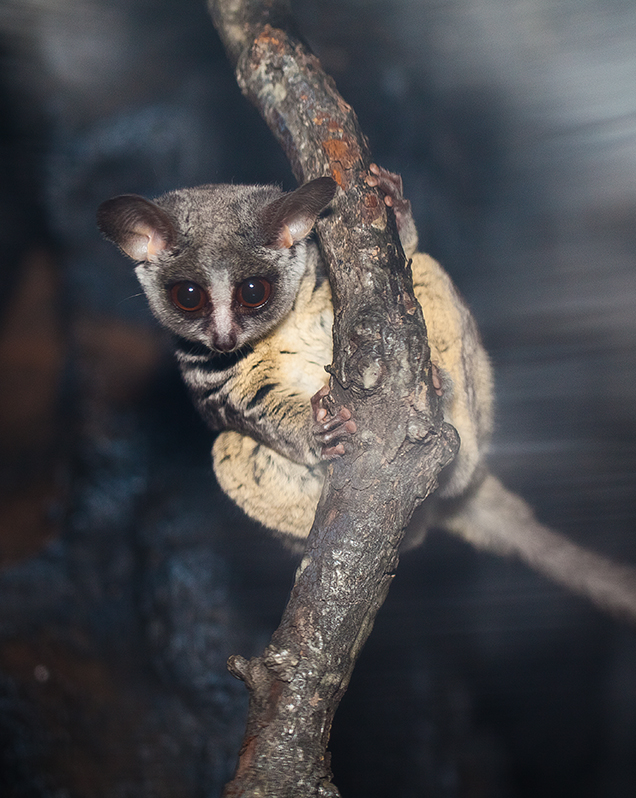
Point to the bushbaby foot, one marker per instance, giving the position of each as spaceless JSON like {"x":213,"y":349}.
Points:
{"x":390,"y":185}
{"x":329,"y":427}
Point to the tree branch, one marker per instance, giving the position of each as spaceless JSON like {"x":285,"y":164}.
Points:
{"x":381,"y":371}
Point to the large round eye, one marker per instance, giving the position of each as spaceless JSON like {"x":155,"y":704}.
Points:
{"x":188,"y":296}
{"x":254,"y":292}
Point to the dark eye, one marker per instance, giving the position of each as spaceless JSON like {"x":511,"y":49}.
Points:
{"x":254,"y":292}
{"x":188,"y":296}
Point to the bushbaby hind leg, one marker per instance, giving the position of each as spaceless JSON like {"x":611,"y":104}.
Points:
{"x":279,"y":493}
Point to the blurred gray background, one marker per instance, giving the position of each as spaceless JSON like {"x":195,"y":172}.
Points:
{"x":127,"y":579}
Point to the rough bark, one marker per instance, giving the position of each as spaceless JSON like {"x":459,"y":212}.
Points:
{"x":381,"y":371}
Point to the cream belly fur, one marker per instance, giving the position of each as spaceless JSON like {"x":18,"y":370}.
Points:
{"x":283,"y":494}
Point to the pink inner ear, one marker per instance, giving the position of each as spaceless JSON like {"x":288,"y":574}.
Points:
{"x":156,"y":244}
{"x":285,"y":237}
{"x":289,"y":218}
{"x":144,"y":243}
{"x":295,"y":230}
{"x":300,"y":226}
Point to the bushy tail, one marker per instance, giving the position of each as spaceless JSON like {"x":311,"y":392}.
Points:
{"x":495,"y":519}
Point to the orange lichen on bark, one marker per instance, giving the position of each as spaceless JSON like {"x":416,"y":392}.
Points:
{"x":272,"y":37}
{"x":345,"y":151}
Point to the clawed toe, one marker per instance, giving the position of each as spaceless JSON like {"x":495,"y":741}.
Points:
{"x":331,"y":427}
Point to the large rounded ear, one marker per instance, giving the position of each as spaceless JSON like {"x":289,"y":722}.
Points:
{"x":140,"y":228}
{"x":290,"y":218}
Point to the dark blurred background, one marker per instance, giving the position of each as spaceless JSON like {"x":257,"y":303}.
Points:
{"x":127,"y":579}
